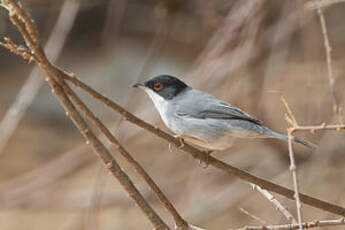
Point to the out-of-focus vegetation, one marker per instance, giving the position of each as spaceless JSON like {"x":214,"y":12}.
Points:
{"x":247,"y":54}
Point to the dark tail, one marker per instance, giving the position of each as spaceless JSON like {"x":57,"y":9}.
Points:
{"x":286,"y":138}
{"x":305,"y":143}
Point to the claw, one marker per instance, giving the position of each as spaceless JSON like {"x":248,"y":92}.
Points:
{"x":205,"y":164}
{"x":170,"y":148}
{"x":181,"y":143}
{"x":180,"y":139}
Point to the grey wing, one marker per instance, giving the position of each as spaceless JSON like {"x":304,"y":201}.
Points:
{"x":205,"y":106}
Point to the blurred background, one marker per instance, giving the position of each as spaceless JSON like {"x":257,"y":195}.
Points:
{"x":248,"y":53}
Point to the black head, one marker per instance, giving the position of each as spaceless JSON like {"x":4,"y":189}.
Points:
{"x":165,"y":85}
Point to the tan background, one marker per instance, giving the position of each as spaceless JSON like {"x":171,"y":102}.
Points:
{"x":49,"y":178}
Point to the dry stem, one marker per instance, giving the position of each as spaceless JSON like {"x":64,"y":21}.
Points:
{"x":27,"y":28}
{"x":178,"y":219}
{"x":253,"y":216}
{"x":34,"y":82}
{"x":331,"y":80}
{"x":54,"y":78}
{"x":306,"y":225}
{"x":200,"y":155}
{"x":315,"y":4}
{"x":293,"y":170}
{"x":276,"y":203}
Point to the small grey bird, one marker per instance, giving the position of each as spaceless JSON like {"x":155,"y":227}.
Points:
{"x":201,"y":118}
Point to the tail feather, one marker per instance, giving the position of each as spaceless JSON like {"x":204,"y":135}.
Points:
{"x":305,"y":143}
{"x":295,"y":139}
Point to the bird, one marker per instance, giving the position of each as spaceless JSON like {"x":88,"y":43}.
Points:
{"x":202,"y":119}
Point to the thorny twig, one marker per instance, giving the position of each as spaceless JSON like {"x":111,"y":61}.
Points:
{"x":315,"y":4}
{"x":293,"y":170}
{"x":306,"y":225}
{"x":27,"y":28}
{"x":290,"y":118}
{"x":276,"y":203}
{"x":34,"y":82}
{"x":200,"y":155}
{"x":178,"y":219}
{"x":18,"y":50}
{"x":112,"y":164}
{"x":253,"y":216}
{"x":294,"y":127}
{"x":331,"y":80}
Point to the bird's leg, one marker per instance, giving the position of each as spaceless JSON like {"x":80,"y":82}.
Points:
{"x":180,"y":139}
{"x":208,"y":152}
{"x":170,"y":147}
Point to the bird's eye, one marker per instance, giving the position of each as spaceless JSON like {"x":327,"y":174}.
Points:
{"x":157,"y":86}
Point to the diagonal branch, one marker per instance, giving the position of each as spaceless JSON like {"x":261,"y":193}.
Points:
{"x":34,"y":82}
{"x":276,"y":203}
{"x":54,"y":75}
{"x":306,"y":225}
{"x":328,"y":49}
{"x":180,"y":222}
{"x":196,"y":153}
{"x":293,"y":169}
{"x":27,"y":28}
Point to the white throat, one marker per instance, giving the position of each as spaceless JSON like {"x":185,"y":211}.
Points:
{"x":160,"y":103}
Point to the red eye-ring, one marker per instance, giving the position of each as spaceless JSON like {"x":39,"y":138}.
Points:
{"x":157,"y":86}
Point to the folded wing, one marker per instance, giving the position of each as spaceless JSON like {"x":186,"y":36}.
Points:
{"x":205,"y":106}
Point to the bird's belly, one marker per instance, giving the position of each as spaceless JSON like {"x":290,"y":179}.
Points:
{"x":219,"y":144}
{"x":199,"y":133}
{"x":209,"y":134}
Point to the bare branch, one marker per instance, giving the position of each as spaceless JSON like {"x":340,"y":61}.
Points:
{"x":200,"y":155}
{"x":178,"y":219}
{"x":315,"y":4}
{"x":28,"y":30}
{"x":293,"y":170}
{"x":54,"y":79}
{"x":18,"y":50}
{"x":306,"y":225}
{"x":253,"y":216}
{"x":328,"y":49}
{"x":323,"y":126}
{"x":33,"y":83}
{"x":276,"y":203}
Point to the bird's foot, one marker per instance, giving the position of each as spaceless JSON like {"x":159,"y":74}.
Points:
{"x":204,"y":164}
{"x":180,"y":139}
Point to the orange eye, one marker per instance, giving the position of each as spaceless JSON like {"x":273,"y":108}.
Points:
{"x":157,"y":86}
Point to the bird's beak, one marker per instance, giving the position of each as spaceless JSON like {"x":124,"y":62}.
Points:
{"x":138,"y":85}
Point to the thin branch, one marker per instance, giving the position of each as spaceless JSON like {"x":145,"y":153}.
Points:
{"x":51,"y":70}
{"x":18,"y":50}
{"x":104,"y":154}
{"x":276,"y":203}
{"x":163,"y":199}
{"x":34,"y":82}
{"x":200,"y":155}
{"x":289,"y":117}
{"x":306,"y":225}
{"x":253,"y":216}
{"x":328,"y":49}
{"x":294,"y":127}
{"x":323,"y":126}
{"x":28,"y":30}
{"x":293,"y":170}
{"x":315,"y":4}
